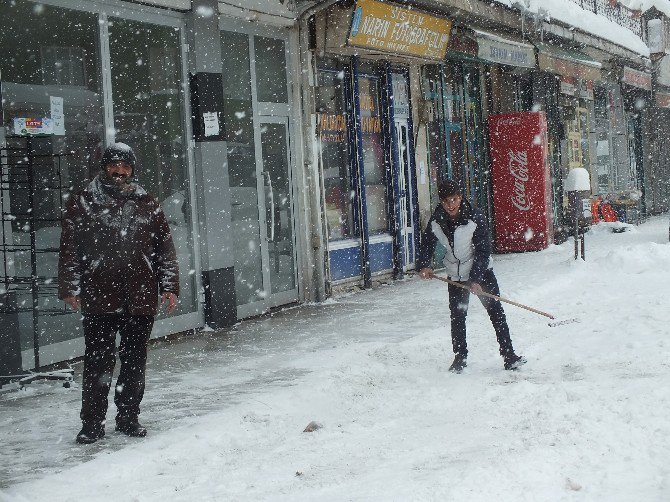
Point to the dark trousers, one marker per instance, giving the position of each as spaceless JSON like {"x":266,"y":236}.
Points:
{"x":458,"y":306}
{"x":100,"y":358}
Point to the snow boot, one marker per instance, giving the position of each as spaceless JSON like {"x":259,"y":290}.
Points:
{"x":513,"y":362}
{"x":90,"y":433}
{"x":459,"y":363}
{"x":131,"y":428}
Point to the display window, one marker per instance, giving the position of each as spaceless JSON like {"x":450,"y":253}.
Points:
{"x":148,"y":114}
{"x":454,"y":128}
{"x":87,"y":79}
{"x":355,"y":141}
{"x":332,"y":135}
{"x":376,"y":178}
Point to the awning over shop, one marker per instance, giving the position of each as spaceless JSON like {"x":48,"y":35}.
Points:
{"x":504,"y":51}
{"x":567,"y":62}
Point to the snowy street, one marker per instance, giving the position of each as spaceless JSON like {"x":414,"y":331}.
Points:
{"x":586,"y":419}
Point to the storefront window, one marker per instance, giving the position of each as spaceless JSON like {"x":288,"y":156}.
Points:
{"x":603,"y":157}
{"x":270,"y":70}
{"x":431,"y":83}
{"x":331,"y":123}
{"x":50,"y":69}
{"x":373,"y":155}
{"x":239,"y":122}
{"x":148,"y":115}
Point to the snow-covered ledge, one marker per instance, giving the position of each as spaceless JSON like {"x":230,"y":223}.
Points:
{"x":570,"y":13}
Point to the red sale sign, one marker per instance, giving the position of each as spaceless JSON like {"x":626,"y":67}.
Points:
{"x":521,"y":182}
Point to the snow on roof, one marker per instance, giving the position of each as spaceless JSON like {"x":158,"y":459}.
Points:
{"x":572,"y":14}
{"x":645,"y":5}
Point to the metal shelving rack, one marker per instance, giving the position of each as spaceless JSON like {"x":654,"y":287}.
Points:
{"x":23,"y":287}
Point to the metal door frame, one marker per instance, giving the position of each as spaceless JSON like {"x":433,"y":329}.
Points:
{"x":406,"y":227}
{"x":264,"y":112}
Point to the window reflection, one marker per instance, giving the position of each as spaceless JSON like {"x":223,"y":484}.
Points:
{"x":148,"y":115}
{"x":49,"y":60}
{"x":331,"y":123}
{"x":373,"y":155}
{"x":239,"y":122}
{"x":270,"y":55}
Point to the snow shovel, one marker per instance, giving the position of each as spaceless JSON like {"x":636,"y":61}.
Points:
{"x":511,"y":302}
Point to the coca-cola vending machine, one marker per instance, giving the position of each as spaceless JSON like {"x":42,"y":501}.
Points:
{"x":521,"y":181}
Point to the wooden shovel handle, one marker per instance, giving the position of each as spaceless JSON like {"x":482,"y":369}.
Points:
{"x":495,"y":297}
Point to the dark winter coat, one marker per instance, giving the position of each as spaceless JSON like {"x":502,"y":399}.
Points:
{"x":116,"y":251}
{"x":466,"y":240}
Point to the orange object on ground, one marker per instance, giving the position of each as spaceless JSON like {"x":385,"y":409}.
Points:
{"x":601,"y":210}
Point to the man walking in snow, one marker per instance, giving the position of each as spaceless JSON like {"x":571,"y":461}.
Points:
{"x":464,"y":233}
{"x":116,"y":258}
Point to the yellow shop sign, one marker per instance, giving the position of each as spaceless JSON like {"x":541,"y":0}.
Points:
{"x":389,"y":28}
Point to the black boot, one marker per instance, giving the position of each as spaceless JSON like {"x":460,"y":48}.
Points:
{"x":513,"y":362}
{"x":90,"y":432}
{"x":131,"y":428}
{"x":460,"y":362}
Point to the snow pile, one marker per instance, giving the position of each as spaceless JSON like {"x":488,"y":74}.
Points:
{"x":586,"y":419}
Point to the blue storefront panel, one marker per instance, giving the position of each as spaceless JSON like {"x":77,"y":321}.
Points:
{"x":381,"y":256}
{"x":345,"y":263}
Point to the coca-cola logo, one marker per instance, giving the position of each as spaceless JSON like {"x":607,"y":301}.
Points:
{"x":507,"y":122}
{"x":518,"y":168}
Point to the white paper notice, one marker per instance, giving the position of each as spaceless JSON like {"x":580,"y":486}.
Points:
{"x":602,"y":148}
{"x":422,"y":172}
{"x":57,"y":115}
{"x":211,"y":123}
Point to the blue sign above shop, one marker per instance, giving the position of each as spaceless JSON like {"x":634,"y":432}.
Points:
{"x":502,"y":51}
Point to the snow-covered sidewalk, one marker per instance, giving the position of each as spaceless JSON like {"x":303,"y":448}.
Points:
{"x":586,"y":419}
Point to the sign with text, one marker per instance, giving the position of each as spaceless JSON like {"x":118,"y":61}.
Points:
{"x":332,"y":127}
{"x":568,"y":85}
{"x":24,"y":126}
{"x":586,"y":90}
{"x":568,"y":63}
{"x":57,"y":115}
{"x":663,"y":99}
{"x":636,"y":78}
{"x":400,"y":96}
{"x":506,"y":52}
{"x":389,"y":28}
{"x":521,"y":181}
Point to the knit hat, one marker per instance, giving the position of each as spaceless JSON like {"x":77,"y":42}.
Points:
{"x":119,"y":152}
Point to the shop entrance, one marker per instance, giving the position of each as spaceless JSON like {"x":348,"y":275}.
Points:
{"x":259,"y":164}
{"x":277,"y":245}
{"x":405,"y":193}
{"x":404,"y":169}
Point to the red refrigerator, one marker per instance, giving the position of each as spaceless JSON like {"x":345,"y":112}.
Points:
{"x":521,"y":181}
